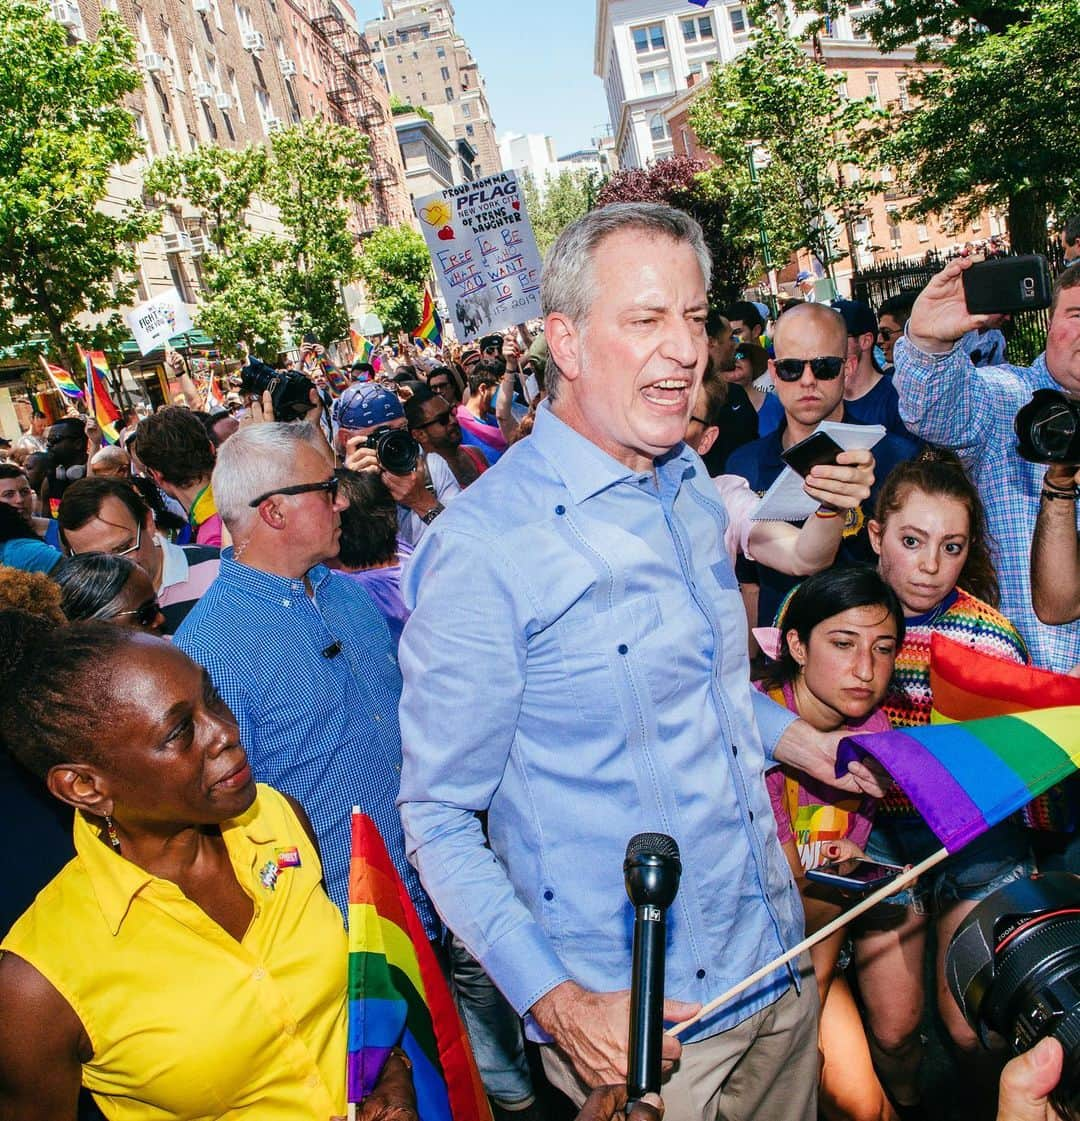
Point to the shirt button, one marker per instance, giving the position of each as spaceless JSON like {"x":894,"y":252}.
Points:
{"x":751,"y":812}
{"x":623,"y":648}
{"x":289,"y":1028}
{"x":734,"y":749}
{"x":259,"y":974}
{"x":549,"y":895}
{"x":560,"y":509}
{"x":701,"y":974}
{"x":376,"y":717}
{"x":285,"y":603}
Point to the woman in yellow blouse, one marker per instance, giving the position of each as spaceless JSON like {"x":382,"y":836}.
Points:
{"x":187,"y":964}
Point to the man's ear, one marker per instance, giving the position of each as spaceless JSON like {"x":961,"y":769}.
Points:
{"x":81,"y":786}
{"x":708,"y":438}
{"x":272,"y":513}
{"x":155,"y":475}
{"x":564,"y":344}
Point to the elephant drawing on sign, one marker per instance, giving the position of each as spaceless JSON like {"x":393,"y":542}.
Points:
{"x":475,"y":311}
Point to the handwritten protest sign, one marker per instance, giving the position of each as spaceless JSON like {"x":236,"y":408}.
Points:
{"x":157,"y":320}
{"x":484,"y":252}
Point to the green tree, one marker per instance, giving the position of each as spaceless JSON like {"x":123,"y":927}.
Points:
{"x":685,"y":183}
{"x":990,"y":123}
{"x":776,"y":101}
{"x":63,"y":128}
{"x":312,"y":174}
{"x":394,"y":267}
{"x":567,"y":196}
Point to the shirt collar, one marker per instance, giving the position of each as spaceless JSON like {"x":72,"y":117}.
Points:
{"x":116,"y":881}
{"x":585,"y":469}
{"x":267,"y":585}
{"x":174,"y":564}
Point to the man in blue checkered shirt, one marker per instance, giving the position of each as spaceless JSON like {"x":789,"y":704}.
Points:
{"x":946,"y":400}
{"x":301,"y":654}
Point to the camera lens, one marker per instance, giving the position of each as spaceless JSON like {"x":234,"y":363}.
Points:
{"x":1048,"y":428}
{"x":1014,"y":968}
{"x":1053,"y":430}
{"x":398,"y":452}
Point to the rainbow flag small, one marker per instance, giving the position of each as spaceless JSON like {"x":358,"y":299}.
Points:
{"x":63,"y":381}
{"x":430,"y":329}
{"x":964,"y":778}
{"x":215,"y":399}
{"x":397,"y":994}
{"x":362,"y":348}
{"x":101,"y":404}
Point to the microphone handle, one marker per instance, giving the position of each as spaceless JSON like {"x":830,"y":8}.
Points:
{"x":646,"y":1003}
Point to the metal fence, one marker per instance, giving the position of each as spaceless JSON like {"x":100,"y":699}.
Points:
{"x":1026,"y":334}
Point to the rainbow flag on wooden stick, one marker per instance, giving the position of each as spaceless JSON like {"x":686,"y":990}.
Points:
{"x":63,"y":381}
{"x":397,"y":994}
{"x":430,"y":329}
{"x":964,"y":778}
{"x":362,"y":348}
{"x":102,"y":407}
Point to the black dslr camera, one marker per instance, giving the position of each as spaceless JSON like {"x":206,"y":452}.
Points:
{"x":1048,"y":428}
{"x":290,"y":392}
{"x":1014,"y":968}
{"x":397,"y":451}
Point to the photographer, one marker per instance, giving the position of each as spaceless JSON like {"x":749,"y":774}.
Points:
{"x":366,"y":419}
{"x":1055,"y":549}
{"x":946,"y":400}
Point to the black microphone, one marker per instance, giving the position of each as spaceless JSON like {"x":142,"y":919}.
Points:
{"x":652,"y":868}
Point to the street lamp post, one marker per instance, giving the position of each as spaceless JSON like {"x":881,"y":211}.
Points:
{"x":757,"y":155}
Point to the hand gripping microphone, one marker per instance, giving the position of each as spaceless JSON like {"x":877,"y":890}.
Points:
{"x":652,"y":868}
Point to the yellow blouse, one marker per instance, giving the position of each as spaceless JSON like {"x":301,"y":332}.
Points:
{"x":186,"y":1023}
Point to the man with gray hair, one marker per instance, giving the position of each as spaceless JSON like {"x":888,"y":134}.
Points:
{"x":300,"y":654}
{"x":609,"y":646}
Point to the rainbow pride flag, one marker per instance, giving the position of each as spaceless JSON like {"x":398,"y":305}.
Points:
{"x":397,"y":994}
{"x":963,"y":778}
{"x":968,"y":684}
{"x":63,"y":381}
{"x":362,"y":348}
{"x":104,"y":410}
{"x":430,"y":329}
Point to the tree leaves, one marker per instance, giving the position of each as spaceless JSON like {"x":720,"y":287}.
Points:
{"x":394,"y":267}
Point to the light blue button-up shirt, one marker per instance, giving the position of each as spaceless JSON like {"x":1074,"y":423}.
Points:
{"x":576,"y":666}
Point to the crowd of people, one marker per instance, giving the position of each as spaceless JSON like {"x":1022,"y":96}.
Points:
{"x":514,"y":601}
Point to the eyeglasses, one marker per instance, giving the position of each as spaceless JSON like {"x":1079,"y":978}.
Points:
{"x":19,"y":493}
{"x":145,"y":614}
{"x":701,"y":420}
{"x":886,"y":333}
{"x":113,"y":552}
{"x":441,"y":418}
{"x":824,"y":369}
{"x":329,"y":485}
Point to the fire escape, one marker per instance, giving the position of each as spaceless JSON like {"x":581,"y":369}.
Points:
{"x":351,"y":93}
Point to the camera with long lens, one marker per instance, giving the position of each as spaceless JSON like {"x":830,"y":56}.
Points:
{"x":1048,"y":428}
{"x":1013,"y":966}
{"x":396,"y":450}
{"x":290,"y":392}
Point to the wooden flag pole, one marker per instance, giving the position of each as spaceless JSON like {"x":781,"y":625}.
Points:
{"x":869,"y":902}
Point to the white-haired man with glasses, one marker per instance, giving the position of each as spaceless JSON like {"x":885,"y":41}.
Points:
{"x":300,"y":654}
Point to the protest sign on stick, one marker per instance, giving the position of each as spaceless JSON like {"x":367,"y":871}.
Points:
{"x":484,"y":253}
{"x":157,"y":320}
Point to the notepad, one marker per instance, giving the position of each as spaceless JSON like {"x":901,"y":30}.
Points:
{"x":785,"y":500}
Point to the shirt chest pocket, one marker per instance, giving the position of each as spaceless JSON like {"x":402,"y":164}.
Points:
{"x":620,"y":657}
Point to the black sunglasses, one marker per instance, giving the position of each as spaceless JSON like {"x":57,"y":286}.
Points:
{"x":329,"y":485}
{"x":824,"y":369}
{"x":886,"y":333}
{"x":145,"y":614}
{"x":442,"y":418}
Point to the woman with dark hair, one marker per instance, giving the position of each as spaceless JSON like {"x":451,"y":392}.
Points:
{"x":111,"y":589}
{"x":929,"y":532}
{"x":187,"y":963}
{"x":838,"y":636}
{"x":20,"y":547}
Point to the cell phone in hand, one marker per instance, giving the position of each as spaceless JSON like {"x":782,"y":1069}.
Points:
{"x":818,"y":448}
{"x":1006,"y":285}
{"x":854,"y":875}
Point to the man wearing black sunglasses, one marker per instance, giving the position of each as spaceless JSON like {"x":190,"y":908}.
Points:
{"x":808,"y":373}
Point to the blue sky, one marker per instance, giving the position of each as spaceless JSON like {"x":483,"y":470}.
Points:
{"x":537,"y":61}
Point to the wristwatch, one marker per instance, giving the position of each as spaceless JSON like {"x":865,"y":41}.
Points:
{"x":432,"y":514}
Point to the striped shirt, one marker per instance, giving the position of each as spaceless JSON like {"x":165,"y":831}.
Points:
{"x":946,"y":400}
{"x":314,"y":683}
{"x":187,"y":571}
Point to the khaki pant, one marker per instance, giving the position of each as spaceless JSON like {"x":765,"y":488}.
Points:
{"x":765,"y":1068}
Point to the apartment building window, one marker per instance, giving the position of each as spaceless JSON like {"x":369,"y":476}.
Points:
{"x":466,"y":111}
{"x":262,"y":100}
{"x":469,"y":130}
{"x":444,"y":72}
{"x":416,"y":54}
{"x":391,"y":41}
{"x":234,"y":89}
{"x":922,"y":231}
{"x":440,"y":52}
{"x":842,"y":90}
{"x":656,"y":81}
{"x":403,"y":36}
{"x":448,"y":93}
{"x":905,"y":97}
{"x":685,"y":133}
{"x":218,"y":22}
{"x":649,"y":38}
{"x":404,"y":79}
{"x":658,"y":129}
{"x":423,"y":95}
{"x":896,"y":237}
{"x":697,"y":29}
{"x":875,"y":92}
{"x":401,"y":60}
{"x":740,"y":21}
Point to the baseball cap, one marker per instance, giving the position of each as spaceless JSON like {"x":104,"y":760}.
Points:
{"x":365,"y":405}
{"x":491,"y":341}
{"x":858,"y":317}
{"x":804,"y":274}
